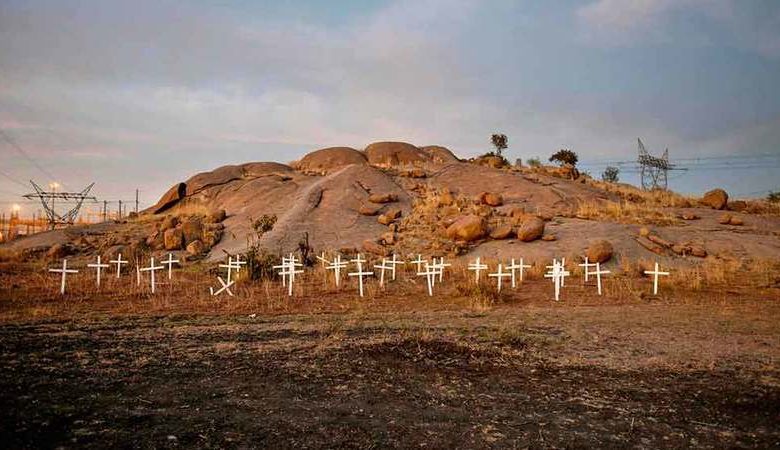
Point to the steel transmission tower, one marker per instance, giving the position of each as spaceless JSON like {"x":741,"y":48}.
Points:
{"x":47,"y":199}
{"x":653,"y":170}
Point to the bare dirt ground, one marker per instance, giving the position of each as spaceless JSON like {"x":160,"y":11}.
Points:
{"x":641,"y":374}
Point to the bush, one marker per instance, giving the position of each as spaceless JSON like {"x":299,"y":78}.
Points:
{"x":773,"y":197}
{"x":264,"y":224}
{"x":610,"y":174}
{"x":564,"y":156}
{"x":534,"y":162}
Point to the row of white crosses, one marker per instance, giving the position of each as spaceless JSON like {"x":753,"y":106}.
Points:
{"x":119,"y":262}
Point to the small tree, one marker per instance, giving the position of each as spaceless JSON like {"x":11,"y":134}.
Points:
{"x":534,"y":162}
{"x":610,"y":174}
{"x":773,"y":197}
{"x":500,"y":142}
{"x":564,"y":156}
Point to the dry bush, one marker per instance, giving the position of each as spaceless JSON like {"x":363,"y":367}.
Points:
{"x":658,"y":197}
{"x":626,"y":212}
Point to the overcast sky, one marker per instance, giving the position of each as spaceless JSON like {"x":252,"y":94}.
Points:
{"x":142,"y":94}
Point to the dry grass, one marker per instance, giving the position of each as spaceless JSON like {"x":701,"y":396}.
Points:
{"x":627,"y":212}
{"x":659,"y":198}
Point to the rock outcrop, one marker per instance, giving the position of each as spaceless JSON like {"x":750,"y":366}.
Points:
{"x":328,"y":159}
{"x":467,"y":228}
{"x":715,"y":199}
{"x":395,"y":154}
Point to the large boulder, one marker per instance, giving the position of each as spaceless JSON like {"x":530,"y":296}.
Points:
{"x":439,"y":155}
{"x":599,"y":251}
{"x":501,"y":232}
{"x":531,"y":229}
{"x":382,"y":198}
{"x":327,"y":159}
{"x":395,"y":154}
{"x":174,"y":239}
{"x":196,"y":248}
{"x":467,"y":228}
{"x":192,"y":229}
{"x":715,"y":199}
{"x":170,"y":198}
{"x":375,"y":247}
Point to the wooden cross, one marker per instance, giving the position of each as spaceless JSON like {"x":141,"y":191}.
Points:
{"x":225,"y":287}
{"x":655,"y":273}
{"x":522,"y":268}
{"x":419,"y":261}
{"x":394,"y":262}
{"x":237,"y":263}
{"x":336,"y":267}
{"x":152,"y":269}
{"x":512,"y":268}
{"x":383,"y":267}
{"x":477,"y":267}
{"x":169,"y":262}
{"x":289,"y":271}
{"x":137,"y":273}
{"x":324,"y":260}
{"x":598,"y":274}
{"x":440,"y":267}
{"x":499,"y":276}
{"x":118,"y":261}
{"x":558,"y":274}
{"x":360,"y":274}
{"x":99,"y":268}
{"x":587,"y":266}
{"x":229,"y":266}
{"x":64,"y":271}
{"x":430,"y":276}
{"x":563,"y":266}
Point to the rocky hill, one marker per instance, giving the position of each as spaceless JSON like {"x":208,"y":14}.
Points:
{"x":397,"y":197}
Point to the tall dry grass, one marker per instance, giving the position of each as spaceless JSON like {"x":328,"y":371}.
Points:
{"x":626,"y":212}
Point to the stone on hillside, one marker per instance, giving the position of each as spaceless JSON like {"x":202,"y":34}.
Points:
{"x":644,"y":232}
{"x":394,"y":154}
{"x":216,"y":216}
{"x":501,"y":232}
{"x":388,"y":217}
{"x":698,"y":251}
{"x":382,"y":198}
{"x":156,"y":240}
{"x":492,"y":199}
{"x":531,"y":229}
{"x":169,"y":222}
{"x":374,"y":247}
{"x":737,"y":205}
{"x":173,"y":239}
{"x":212,"y":237}
{"x":416,"y":173}
{"x":388,"y":238}
{"x":549,"y":237}
{"x":724,"y":219}
{"x":467,"y":228}
{"x":196,"y":247}
{"x":369,"y":209}
{"x":328,"y":159}
{"x":192,"y":228}
{"x":715,"y":199}
{"x":599,"y":251}
{"x":689,"y":216}
{"x":58,"y":251}
{"x":736,"y":221}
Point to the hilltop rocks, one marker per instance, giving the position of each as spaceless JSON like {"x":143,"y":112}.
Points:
{"x":170,"y":198}
{"x":495,"y":162}
{"x":173,"y":239}
{"x":169,"y":222}
{"x":490,"y":199}
{"x":531,"y":229}
{"x":369,"y":209}
{"x":467,"y":228}
{"x":192,"y":229}
{"x":501,"y":232}
{"x":438,"y":154}
{"x":394,"y":154}
{"x":715,"y":199}
{"x":196,"y":248}
{"x":327,"y":159}
{"x":382,"y":198}
{"x":388,"y":217}
{"x":728,"y":219}
{"x":599,"y":251}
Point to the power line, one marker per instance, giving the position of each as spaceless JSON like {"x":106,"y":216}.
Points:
{"x":14,"y":180}
{"x":18,"y":148}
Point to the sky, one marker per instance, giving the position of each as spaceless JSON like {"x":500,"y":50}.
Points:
{"x":143,"y":94}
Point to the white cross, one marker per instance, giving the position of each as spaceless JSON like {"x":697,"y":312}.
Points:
{"x":499,"y":276}
{"x":64,"y":271}
{"x":237,"y":263}
{"x":230,"y":266}
{"x":288,"y":270}
{"x":563,"y":267}
{"x":383,"y":267}
{"x":655,"y":273}
{"x":118,"y":261}
{"x":522,"y":268}
{"x":430,"y":275}
{"x":360,"y":274}
{"x":99,"y":268}
{"x":477,"y":267}
{"x":587,"y":266}
{"x":169,"y":262}
{"x":137,"y":273}
{"x":440,"y":267}
{"x":152,"y":269}
{"x":558,"y":275}
{"x":336,"y":267}
{"x":512,"y":268}
{"x":598,"y":274}
{"x":290,"y":261}
{"x":225,"y":287}
{"x":324,"y":260}
{"x":394,"y":262}
{"x":419,"y":261}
